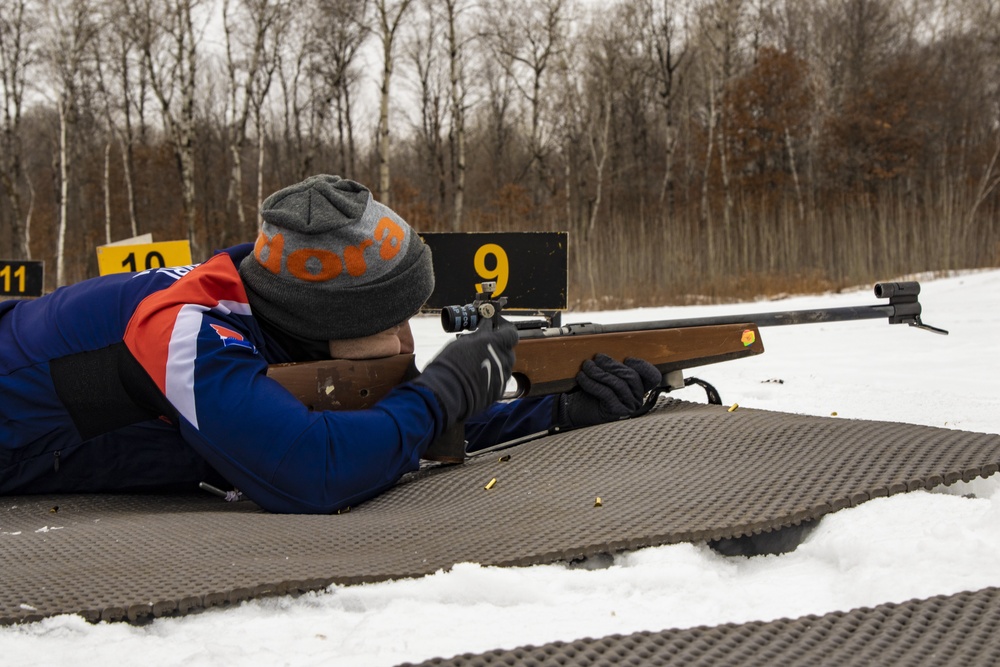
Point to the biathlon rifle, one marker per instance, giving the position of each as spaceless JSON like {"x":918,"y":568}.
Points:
{"x":549,"y":357}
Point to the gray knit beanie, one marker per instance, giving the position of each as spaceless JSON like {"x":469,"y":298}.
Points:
{"x":331,"y":263}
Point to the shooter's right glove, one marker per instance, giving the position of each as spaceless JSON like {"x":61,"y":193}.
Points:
{"x":607,"y":390}
{"x":470,"y":373}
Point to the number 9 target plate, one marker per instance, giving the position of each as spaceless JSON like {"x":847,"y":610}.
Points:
{"x":529,"y":268}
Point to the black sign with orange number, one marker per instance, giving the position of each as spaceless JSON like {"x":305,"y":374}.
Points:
{"x":21,"y":278}
{"x":529,"y":268}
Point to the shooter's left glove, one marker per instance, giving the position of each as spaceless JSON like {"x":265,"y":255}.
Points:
{"x":608,"y":390}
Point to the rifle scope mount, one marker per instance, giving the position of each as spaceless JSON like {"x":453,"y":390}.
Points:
{"x":484,"y":308}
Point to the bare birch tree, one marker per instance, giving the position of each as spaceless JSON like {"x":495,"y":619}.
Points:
{"x":719,"y":40}
{"x":18,"y":33}
{"x":663,"y":25}
{"x":457,"y":42}
{"x":168,"y":42}
{"x":389,"y":16}
{"x":341,"y":30}
{"x":253,"y":32}
{"x":122,"y":89}
{"x":599,"y":110}
{"x":69,"y":28}
{"x":854,"y":37}
{"x":498,"y":114}
{"x":423,"y":54}
{"x":529,"y":35}
{"x":299,"y":96}
{"x":586,"y":77}
{"x":986,"y":16}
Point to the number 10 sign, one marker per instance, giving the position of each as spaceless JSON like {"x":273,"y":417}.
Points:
{"x":122,"y":258}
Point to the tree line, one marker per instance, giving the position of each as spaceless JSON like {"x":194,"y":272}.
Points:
{"x":711,"y":147}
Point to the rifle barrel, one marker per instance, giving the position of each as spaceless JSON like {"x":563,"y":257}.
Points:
{"x":780,"y":318}
{"x":903,"y":308}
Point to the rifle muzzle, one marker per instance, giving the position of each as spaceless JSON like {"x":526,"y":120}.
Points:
{"x":903,"y":289}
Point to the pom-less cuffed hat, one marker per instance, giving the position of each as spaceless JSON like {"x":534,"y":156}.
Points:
{"x":332,"y":263}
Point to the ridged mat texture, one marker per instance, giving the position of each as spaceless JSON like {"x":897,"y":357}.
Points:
{"x":684,"y":472}
{"x":961,"y":630}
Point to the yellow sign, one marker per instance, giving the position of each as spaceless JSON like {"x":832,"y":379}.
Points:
{"x":142,"y":256}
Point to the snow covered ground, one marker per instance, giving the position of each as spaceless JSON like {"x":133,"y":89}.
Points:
{"x":892,"y":549}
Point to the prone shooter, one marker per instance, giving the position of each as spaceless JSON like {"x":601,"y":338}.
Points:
{"x":160,"y":379}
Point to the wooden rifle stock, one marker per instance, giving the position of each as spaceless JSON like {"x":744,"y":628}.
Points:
{"x":344,"y":384}
{"x":543,"y":365}
{"x":549,"y":365}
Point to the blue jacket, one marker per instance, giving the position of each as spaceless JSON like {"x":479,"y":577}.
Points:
{"x":158,"y":379}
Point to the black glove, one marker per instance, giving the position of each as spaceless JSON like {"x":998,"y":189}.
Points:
{"x":608,"y":390}
{"x":471,"y":372}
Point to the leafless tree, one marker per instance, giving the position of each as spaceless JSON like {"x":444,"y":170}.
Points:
{"x":719,"y":39}
{"x":602,"y":56}
{"x":253,"y":29}
{"x":985,"y":15}
{"x":69,"y":28}
{"x":664,"y":24}
{"x":855,"y":37}
{"x":168,"y":42}
{"x":423,"y":52}
{"x":341,"y":29}
{"x":18,"y":34}
{"x":498,"y":114}
{"x":529,"y":36}
{"x":122,"y":89}
{"x":458,"y":39}
{"x":389,"y":16}
{"x":300,"y":106}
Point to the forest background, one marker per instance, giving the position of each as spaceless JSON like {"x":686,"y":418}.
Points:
{"x":724,"y":148}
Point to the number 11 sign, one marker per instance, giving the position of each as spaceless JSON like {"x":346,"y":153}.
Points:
{"x":21,"y":278}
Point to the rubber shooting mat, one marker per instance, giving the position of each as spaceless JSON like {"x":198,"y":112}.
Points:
{"x":684,"y":472}
{"x":961,"y":630}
